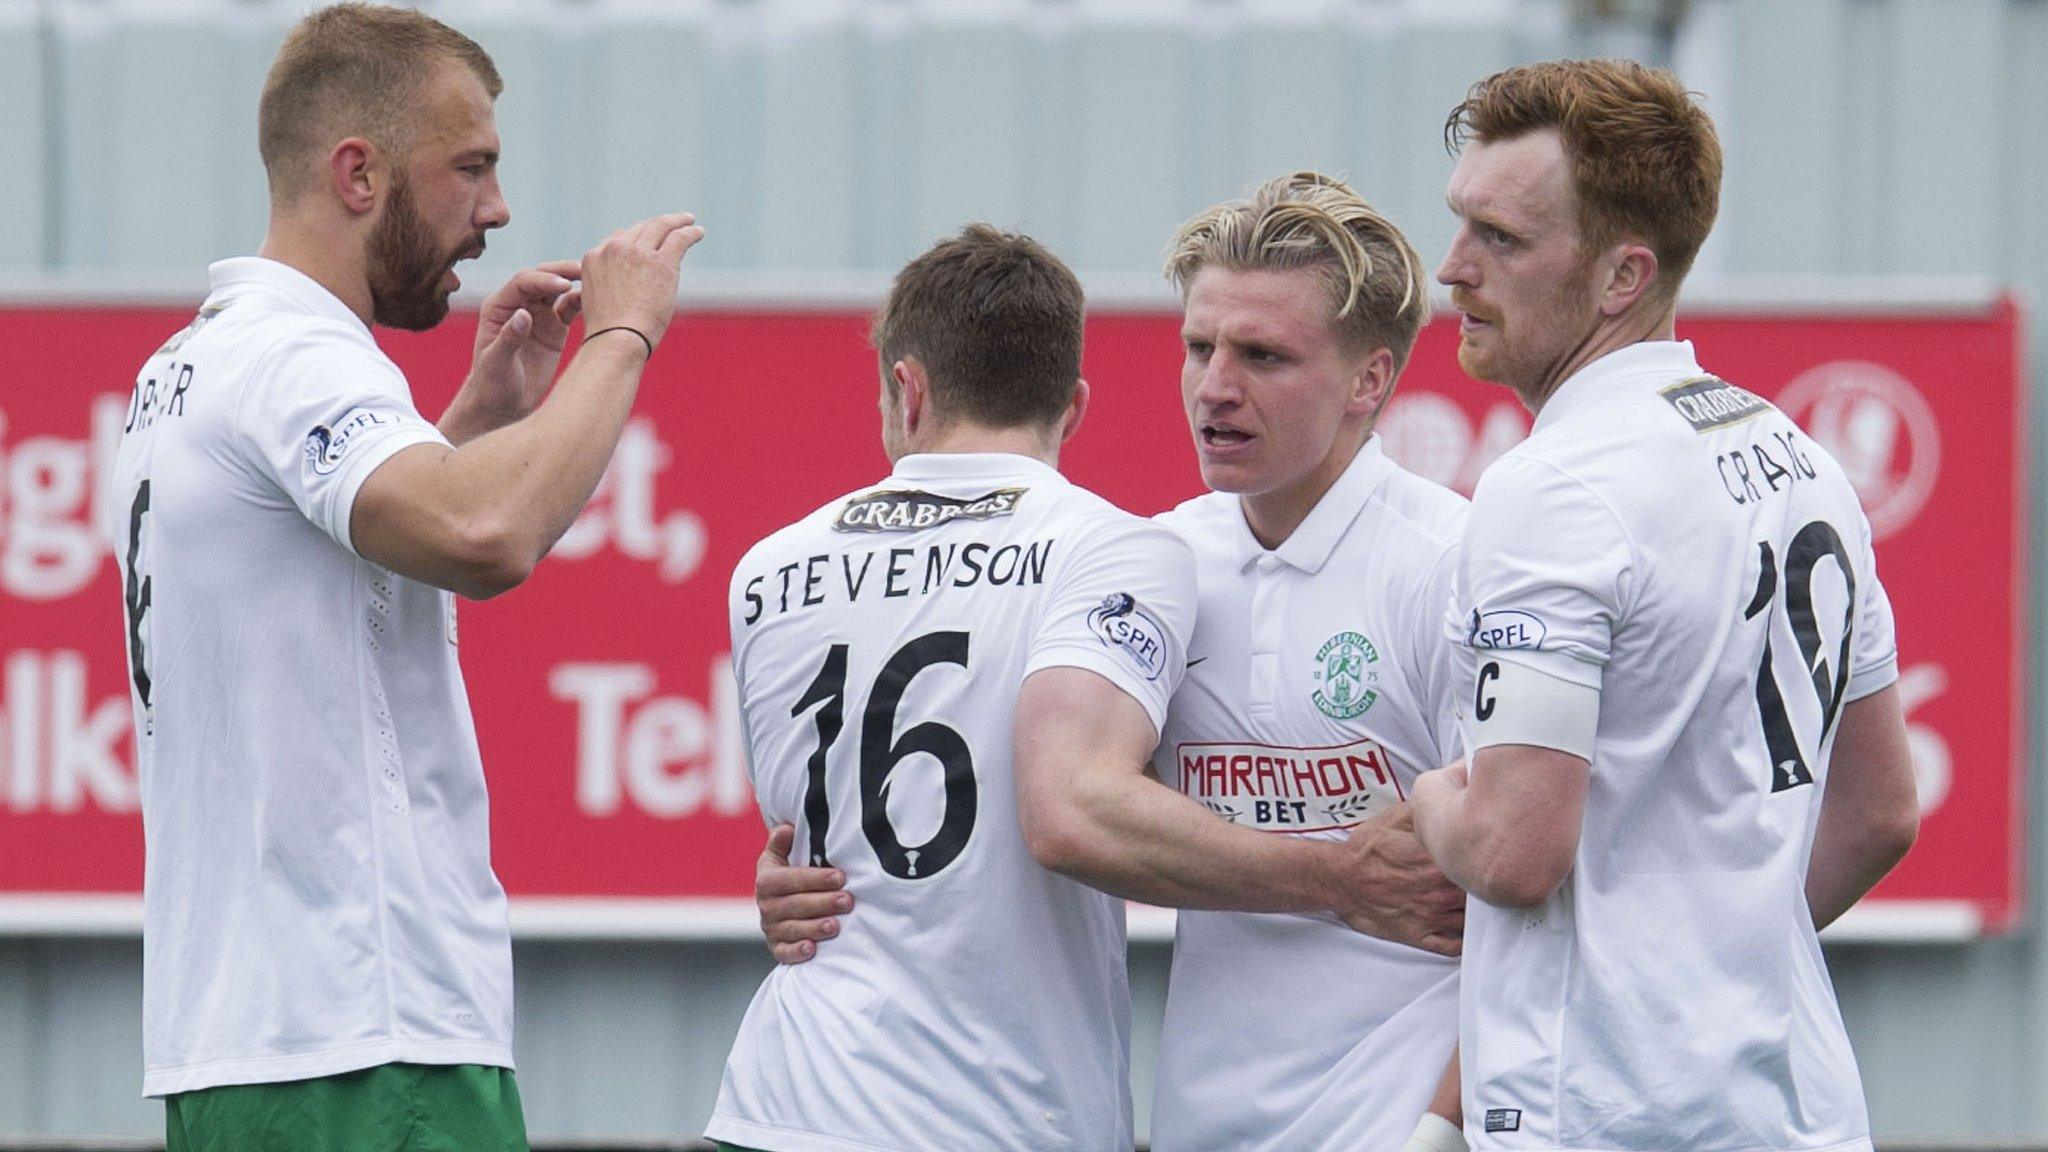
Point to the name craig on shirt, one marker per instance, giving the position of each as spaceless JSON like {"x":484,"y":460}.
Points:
{"x":1764,"y":467}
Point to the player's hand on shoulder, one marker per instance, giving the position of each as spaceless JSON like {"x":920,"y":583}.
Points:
{"x":799,"y":906}
{"x":1390,"y":887}
{"x":629,"y":280}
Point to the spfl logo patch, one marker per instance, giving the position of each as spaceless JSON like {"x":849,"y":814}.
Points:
{"x":327,"y":444}
{"x":1345,"y":675}
{"x":1708,"y":403}
{"x":1119,"y":623}
{"x":908,"y":510}
{"x":1506,"y":628}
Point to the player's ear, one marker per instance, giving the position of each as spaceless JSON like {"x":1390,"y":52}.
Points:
{"x":913,"y":394}
{"x":1372,"y":382}
{"x":1076,"y":408}
{"x":352,"y":171}
{"x":1634,"y":271}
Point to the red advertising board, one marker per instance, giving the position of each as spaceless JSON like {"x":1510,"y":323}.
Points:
{"x":619,"y":796}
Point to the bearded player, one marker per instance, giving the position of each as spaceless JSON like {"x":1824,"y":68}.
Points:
{"x":326,"y":958}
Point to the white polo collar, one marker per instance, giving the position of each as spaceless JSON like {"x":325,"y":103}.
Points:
{"x":1313,"y":542}
{"x":246,"y":274}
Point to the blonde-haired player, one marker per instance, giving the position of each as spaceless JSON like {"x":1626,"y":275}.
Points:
{"x":1322,"y":567}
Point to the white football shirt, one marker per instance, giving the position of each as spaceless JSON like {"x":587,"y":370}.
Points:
{"x":1320,"y":684}
{"x":1678,"y":544}
{"x":318,"y":895}
{"x":972,"y":999}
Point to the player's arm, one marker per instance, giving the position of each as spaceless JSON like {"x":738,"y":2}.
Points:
{"x":1382,"y":882}
{"x":1507,"y":830}
{"x":476,"y":519}
{"x":1869,"y":813}
{"x":1090,"y":810}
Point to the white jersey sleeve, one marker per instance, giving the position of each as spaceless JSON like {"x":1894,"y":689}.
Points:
{"x":1123,"y":608}
{"x":320,"y":416}
{"x":1874,"y":662}
{"x":1547,"y":572}
{"x":1443,"y":668}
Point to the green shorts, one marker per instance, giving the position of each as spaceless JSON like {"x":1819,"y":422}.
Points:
{"x":414,"y":1107}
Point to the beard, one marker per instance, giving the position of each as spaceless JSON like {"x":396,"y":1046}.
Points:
{"x":1479,"y":365}
{"x":405,"y":267}
{"x":1526,"y":353}
{"x":1476,"y":364}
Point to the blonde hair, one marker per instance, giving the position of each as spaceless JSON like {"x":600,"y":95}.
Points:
{"x":1379,"y":295}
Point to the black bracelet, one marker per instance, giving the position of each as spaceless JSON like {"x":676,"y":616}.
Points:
{"x":623,"y":328}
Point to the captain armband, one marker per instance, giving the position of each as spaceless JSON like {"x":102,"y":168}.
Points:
{"x":1513,"y":703}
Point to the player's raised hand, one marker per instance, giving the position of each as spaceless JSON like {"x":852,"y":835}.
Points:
{"x":519,"y":337}
{"x":799,"y":906}
{"x":1395,"y":891}
{"x":629,"y":281}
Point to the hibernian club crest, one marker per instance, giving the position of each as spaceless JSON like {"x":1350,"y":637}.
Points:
{"x":1346,"y":670}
